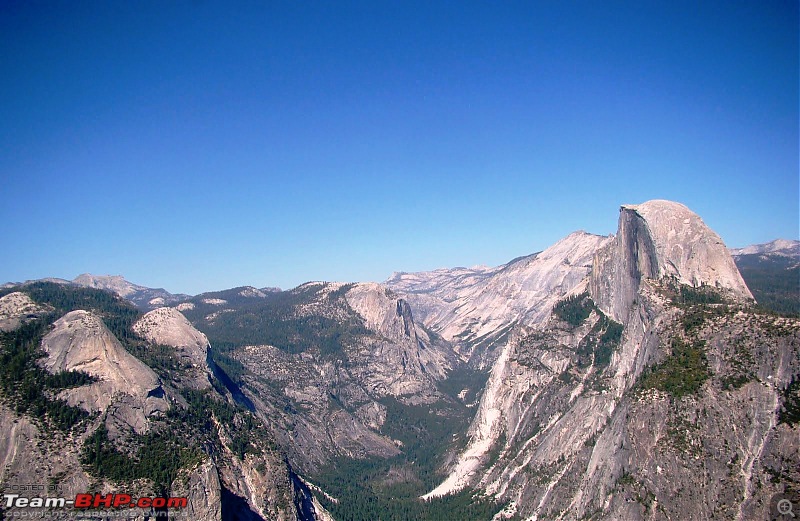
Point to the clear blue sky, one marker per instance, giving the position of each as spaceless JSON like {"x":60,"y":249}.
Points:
{"x":199,"y":145}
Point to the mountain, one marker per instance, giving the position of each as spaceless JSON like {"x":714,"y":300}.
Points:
{"x":778,"y":247}
{"x":657,"y":382}
{"x":337,"y":352}
{"x":168,"y":327}
{"x":661,"y":240}
{"x":476,"y":308}
{"x":143,"y":297}
{"x":606,"y":377}
{"x":772,"y":271}
{"x":17,"y":308}
{"x":89,"y":405}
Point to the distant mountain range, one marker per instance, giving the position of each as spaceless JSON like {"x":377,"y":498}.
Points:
{"x":772,"y":271}
{"x":779,"y":247}
{"x":142,"y":296}
{"x":759,"y":264}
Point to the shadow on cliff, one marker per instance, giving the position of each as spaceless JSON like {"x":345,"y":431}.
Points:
{"x":230,"y":386}
{"x":236,"y":508}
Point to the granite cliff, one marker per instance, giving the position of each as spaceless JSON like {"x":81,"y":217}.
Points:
{"x":657,"y":240}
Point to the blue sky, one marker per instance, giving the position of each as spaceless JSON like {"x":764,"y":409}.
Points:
{"x":199,"y":145}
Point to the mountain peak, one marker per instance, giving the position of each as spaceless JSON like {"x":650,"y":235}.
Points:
{"x":659,"y":205}
{"x":658,"y":239}
{"x":168,"y":326}
{"x":115,"y":283}
{"x":142,"y":296}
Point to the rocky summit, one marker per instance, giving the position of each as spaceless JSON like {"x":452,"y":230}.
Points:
{"x":648,"y":374}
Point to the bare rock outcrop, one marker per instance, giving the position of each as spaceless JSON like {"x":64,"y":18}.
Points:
{"x":201,"y":486}
{"x":80,"y":341}
{"x":142,"y":296}
{"x":476,"y":308}
{"x":168,"y":326}
{"x":408,"y":352}
{"x":590,"y":418}
{"x":660,"y":239}
{"x":17,"y":307}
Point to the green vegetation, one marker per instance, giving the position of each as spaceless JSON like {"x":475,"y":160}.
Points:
{"x":231,"y":366}
{"x":609,"y":340}
{"x":695,"y":316}
{"x":118,"y":314}
{"x":277,"y":320}
{"x":698,"y":303}
{"x":425,"y":431}
{"x":162,"y":359}
{"x":574,"y":310}
{"x":741,"y":364}
{"x":735,"y":381}
{"x":464,"y":378}
{"x":388,"y":489}
{"x":702,"y":294}
{"x":627,"y":479}
{"x":158,"y":457}
{"x":683,"y":372}
{"x":177,"y":440}
{"x":596,"y":347}
{"x":790,"y":407}
{"x":774,"y":282}
{"x":68,"y":380}
{"x":247,"y":433}
{"x":29,"y":389}
{"x":360,"y":487}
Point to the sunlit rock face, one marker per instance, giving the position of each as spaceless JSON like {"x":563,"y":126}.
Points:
{"x":16,"y":308}
{"x":80,"y":341}
{"x":475,"y":308}
{"x":659,"y":239}
{"x":168,"y":326}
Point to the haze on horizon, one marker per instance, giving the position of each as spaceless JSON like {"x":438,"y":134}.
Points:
{"x":198,"y":146}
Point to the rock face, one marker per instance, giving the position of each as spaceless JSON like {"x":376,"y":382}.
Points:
{"x":476,"y":308}
{"x":17,"y":307}
{"x":326,"y":406}
{"x":80,"y":341}
{"x":660,"y":239}
{"x":390,"y":316}
{"x":203,"y":490}
{"x":167,"y":326}
{"x":636,"y":403}
{"x":150,"y":433}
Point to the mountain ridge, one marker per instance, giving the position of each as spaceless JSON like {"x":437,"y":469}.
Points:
{"x":120,"y":285}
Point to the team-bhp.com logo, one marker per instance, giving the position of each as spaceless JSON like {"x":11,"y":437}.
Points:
{"x":92,"y":501}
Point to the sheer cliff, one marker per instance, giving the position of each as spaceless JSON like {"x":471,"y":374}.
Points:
{"x":656,"y":240}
